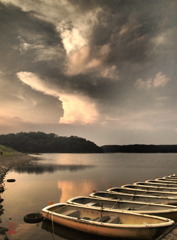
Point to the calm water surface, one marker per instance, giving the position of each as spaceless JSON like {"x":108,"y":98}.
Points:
{"x":58,"y":177}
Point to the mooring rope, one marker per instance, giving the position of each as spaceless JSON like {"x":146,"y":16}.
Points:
{"x":53,"y":231}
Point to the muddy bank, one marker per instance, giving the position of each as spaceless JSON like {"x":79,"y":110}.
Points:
{"x":7,"y":162}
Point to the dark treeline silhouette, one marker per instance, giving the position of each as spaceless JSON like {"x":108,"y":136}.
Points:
{"x":140,"y":148}
{"x":39,"y":142}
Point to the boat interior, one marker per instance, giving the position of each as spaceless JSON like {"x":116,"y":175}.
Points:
{"x":105,"y":216}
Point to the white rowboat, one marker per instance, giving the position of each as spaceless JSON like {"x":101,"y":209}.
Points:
{"x":122,"y":225}
{"x":134,"y":197}
{"x":146,"y":186}
{"x":167,"y":211}
{"x":130,"y":188}
{"x":161,"y":183}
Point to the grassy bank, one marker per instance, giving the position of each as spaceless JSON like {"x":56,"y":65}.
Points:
{"x":7,"y":151}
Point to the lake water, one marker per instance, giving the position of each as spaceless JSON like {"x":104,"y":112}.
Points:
{"x":58,"y":177}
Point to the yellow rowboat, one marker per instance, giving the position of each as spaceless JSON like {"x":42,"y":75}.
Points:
{"x":134,"y":197}
{"x":162,"y":210}
{"x":122,"y":224}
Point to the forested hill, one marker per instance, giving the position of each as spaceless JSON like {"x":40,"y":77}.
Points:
{"x":140,"y":148}
{"x":39,"y":142}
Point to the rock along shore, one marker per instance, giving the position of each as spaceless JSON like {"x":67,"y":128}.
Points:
{"x":7,"y":162}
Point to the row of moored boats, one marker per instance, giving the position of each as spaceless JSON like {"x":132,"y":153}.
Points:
{"x":142,"y":210}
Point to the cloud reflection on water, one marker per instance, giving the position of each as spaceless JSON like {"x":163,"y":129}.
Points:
{"x":70,"y":188}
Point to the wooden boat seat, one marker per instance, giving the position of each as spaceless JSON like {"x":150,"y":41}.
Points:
{"x":130,"y":208}
{"x":115,"y":220}
{"x":73,"y":213}
{"x":91,"y":204}
{"x":86,"y":218}
{"x":102,"y":219}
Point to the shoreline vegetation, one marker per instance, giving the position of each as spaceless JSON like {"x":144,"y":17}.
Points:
{"x":40,"y":142}
{"x":8,"y":159}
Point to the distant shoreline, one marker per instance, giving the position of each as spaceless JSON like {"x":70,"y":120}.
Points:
{"x":139,"y":148}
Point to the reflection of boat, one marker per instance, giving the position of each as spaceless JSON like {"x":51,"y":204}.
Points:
{"x":146,"y":186}
{"x":161,"y":183}
{"x":122,"y":224}
{"x":137,"y":207}
{"x":130,"y":188}
{"x":67,"y":233}
{"x":134,"y":197}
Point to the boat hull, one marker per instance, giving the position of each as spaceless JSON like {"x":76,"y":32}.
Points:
{"x":144,"y":226}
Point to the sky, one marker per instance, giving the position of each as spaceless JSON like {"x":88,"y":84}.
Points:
{"x":97,"y":69}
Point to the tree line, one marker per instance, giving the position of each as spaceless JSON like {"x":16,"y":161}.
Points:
{"x":40,"y":142}
{"x":140,"y":148}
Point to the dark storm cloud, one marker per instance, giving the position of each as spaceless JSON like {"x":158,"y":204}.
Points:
{"x":23,"y":43}
{"x":128,"y":27}
{"x":141,"y":21}
{"x":21,"y":34}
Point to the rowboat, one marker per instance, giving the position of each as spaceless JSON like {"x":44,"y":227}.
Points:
{"x":170,"y":179}
{"x":134,"y":197}
{"x":122,"y":224}
{"x":167,"y":211}
{"x":130,"y":188}
{"x":166,"y":180}
{"x":146,"y":186}
{"x":161,"y":183}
